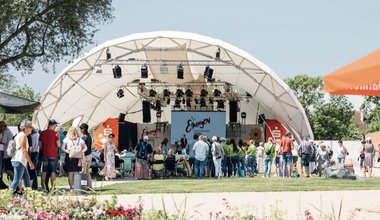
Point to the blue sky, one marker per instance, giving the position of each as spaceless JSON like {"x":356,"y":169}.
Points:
{"x":291,"y":37}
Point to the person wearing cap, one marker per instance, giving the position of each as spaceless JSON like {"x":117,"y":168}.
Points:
{"x":88,"y":154}
{"x":49,"y":144}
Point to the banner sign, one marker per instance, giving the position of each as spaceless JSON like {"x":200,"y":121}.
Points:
{"x":190,"y":123}
{"x":111,"y":125}
{"x":274,"y":129}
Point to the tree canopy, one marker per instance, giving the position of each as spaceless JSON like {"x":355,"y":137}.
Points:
{"x":47,"y":31}
{"x":331,"y":120}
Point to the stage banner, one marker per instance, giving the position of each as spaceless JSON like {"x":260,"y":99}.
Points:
{"x":274,"y":129}
{"x":190,"y":123}
{"x":111,"y":125}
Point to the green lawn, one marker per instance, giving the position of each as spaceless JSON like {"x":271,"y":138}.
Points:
{"x":257,"y":184}
{"x":238,"y":185}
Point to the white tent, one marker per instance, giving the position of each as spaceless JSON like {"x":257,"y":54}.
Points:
{"x":87,"y":90}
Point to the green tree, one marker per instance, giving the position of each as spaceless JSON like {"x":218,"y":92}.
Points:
{"x":308,"y":90}
{"x":371,"y":109}
{"x":47,"y":31}
{"x":8,"y":83}
{"x":333,"y":120}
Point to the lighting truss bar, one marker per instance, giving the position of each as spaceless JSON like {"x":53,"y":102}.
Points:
{"x":167,"y":62}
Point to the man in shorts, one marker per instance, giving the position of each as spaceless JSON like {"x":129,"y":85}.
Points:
{"x":49,"y":144}
{"x":286,"y":150}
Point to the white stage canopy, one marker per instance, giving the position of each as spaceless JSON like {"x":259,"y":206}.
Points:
{"x":86,"y":89}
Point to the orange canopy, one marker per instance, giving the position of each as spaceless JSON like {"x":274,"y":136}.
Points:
{"x":361,"y":77}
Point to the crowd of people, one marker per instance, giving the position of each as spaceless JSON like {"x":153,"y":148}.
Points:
{"x":224,"y":157}
{"x":42,"y":152}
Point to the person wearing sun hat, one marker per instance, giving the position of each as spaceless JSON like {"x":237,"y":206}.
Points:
{"x":49,"y":144}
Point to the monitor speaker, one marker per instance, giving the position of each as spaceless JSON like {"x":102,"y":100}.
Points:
{"x":146,"y":111}
{"x":233,"y":111}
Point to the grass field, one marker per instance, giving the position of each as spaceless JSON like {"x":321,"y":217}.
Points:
{"x":257,"y":184}
{"x":238,"y":185}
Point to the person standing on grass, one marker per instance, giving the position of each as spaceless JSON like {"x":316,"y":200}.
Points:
{"x":286,"y":151}
{"x":200,"y":151}
{"x":88,"y":154}
{"x":34,"y":150}
{"x":49,"y":144}
{"x":60,"y":152}
{"x":306,"y":151}
{"x":21,"y":158}
{"x":5,"y":136}
{"x":368,"y":158}
{"x":251,"y":152}
{"x":342,"y":152}
{"x":72,"y":164}
{"x":277,"y":157}
{"x":189,"y":149}
{"x":260,"y":157}
{"x":217,"y":155}
{"x":269,"y":149}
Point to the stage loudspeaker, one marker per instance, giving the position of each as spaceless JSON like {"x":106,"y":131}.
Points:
{"x":261,"y":119}
{"x":121,"y":117}
{"x":146,"y":111}
{"x":123,"y":136}
{"x":233,"y":111}
{"x":117,"y":72}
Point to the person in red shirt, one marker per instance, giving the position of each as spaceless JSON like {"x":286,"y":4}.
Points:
{"x":287,"y":157}
{"x":49,"y":142}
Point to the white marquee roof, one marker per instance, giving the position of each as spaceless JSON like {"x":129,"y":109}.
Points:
{"x":86,"y":89}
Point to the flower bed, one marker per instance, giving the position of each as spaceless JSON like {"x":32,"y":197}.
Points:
{"x":36,"y":205}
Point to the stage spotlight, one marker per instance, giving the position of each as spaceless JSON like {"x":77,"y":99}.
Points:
{"x":183,"y":101}
{"x":217,"y":92}
{"x":211,"y":101}
{"x":204,"y":93}
{"x":179,"y":93}
{"x":120,"y":93}
{"x":208,"y":73}
{"x":166,"y":93}
{"x":188,"y":102}
{"x":168,"y":101}
{"x":243,"y":115}
{"x":220,"y":104}
{"x":189,"y":93}
{"x":108,"y":54}
{"x":180,"y":71}
{"x":144,"y":71}
{"x":152,"y":93}
{"x":196,"y":101}
{"x":203,"y":102}
{"x":117,"y":72}
{"x":217,"y":54}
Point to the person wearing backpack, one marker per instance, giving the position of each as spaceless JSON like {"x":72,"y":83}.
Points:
{"x":269,"y":149}
{"x":21,"y":158}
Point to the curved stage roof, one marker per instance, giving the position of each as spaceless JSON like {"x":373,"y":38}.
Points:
{"x":86,"y":89}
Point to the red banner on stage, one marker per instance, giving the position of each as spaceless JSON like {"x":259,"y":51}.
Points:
{"x":111,"y":125}
{"x":274,"y":129}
